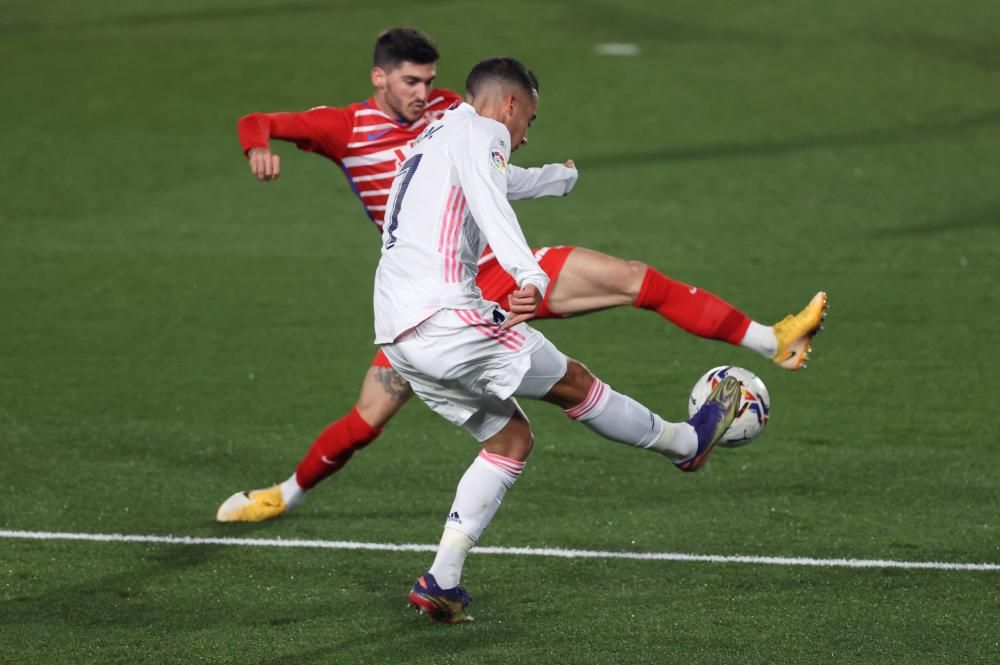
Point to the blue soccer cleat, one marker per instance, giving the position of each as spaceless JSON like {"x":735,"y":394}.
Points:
{"x":444,"y":605}
{"x":712,"y":420}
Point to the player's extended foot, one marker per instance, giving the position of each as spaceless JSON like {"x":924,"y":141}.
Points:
{"x":795,"y":333}
{"x":444,"y":605}
{"x":712,"y":420}
{"x":252,"y":506}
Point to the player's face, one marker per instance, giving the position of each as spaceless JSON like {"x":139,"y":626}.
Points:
{"x":522,"y":114}
{"x":403,"y":91}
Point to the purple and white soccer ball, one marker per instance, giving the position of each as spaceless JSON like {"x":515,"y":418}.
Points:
{"x":754,"y":408}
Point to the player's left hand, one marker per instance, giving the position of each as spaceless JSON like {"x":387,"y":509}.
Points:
{"x":523,"y":305}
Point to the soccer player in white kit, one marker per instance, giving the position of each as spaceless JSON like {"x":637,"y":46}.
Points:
{"x":464,"y":356}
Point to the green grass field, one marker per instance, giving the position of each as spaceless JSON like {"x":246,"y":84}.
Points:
{"x":172,"y":331}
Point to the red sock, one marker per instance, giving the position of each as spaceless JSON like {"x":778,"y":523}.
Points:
{"x":334,"y":447}
{"x":698,"y":312}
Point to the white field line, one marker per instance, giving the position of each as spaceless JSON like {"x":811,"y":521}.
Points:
{"x":509,"y":551}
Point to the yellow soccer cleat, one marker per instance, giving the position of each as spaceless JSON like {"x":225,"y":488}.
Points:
{"x":252,"y":506}
{"x":795,"y":333}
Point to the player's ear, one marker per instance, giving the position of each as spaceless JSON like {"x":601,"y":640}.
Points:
{"x":378,"y":77}
{"x":509,"y":105}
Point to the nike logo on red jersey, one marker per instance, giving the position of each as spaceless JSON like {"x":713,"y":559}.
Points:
{"x":374,"y":136}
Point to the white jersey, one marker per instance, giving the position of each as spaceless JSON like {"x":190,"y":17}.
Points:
{"x":447,"y":202}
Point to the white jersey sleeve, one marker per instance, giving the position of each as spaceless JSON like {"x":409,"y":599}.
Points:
{"x":482,"y":171}
{"x":539,"y":181}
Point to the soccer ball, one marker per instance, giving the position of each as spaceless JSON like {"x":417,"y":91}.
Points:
{"x":754,"y":408}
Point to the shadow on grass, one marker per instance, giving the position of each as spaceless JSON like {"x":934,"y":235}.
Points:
{"x":779,"y":147}
{"x":987,"y":217}
{"x":180,"y":587}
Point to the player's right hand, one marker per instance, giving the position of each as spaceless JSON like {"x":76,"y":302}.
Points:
{"x":263,"y":164}
{"x":524,"y":304}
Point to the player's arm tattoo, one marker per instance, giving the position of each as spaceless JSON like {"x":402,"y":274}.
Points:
{"x":395,"y":385}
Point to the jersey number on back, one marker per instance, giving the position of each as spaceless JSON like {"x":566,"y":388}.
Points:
{"x":406,"y":173}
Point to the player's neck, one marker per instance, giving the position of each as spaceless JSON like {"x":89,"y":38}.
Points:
{"x":489,"y":106}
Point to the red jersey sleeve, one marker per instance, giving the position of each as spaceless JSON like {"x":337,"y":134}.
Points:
{"x":325,"y":130}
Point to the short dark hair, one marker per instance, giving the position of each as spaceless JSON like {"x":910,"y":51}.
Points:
{"x":398,"y":45}
{"x":501,"y":69}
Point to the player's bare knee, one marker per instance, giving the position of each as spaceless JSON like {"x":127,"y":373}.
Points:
{"x":632,"y":278}
{"x":578,"y":375}
{"x":573,"y":387}
{"x":377,"y":412}
{"x":514,"y":441}
{"x":383,"y":393}
{"x":527,"y":444}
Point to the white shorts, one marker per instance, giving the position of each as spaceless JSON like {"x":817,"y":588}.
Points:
{"x":467,"y":369}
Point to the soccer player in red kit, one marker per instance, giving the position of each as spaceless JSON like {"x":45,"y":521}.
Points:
{"x":368,"y":140}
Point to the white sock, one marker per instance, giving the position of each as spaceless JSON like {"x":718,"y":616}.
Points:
{"x":760,"y":339}
{"x":678,"y":441}
{"x":477,"y":498}
{"x":292,"y":493}
{"x":450,"y":557}
{"x":620,"y":418}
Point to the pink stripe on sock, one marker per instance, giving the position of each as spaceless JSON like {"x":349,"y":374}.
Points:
{"x":507,"y":464}
{"x":592,"y":399}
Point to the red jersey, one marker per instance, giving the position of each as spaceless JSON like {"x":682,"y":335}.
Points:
{"x":364,"y":142}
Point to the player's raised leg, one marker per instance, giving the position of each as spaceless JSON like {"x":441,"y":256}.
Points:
{"x":383,"y":393}
{"x":618,"y":417}
{"x":587,"y":281}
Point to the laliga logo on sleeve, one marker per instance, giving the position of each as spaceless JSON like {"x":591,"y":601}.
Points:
{"x":498,"y":161}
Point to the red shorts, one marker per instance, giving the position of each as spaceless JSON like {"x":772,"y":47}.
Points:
{"x":497,"y":285}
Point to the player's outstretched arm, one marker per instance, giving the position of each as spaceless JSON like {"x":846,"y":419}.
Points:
{"x":537,"y":182}
{"x":324,"y":130}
